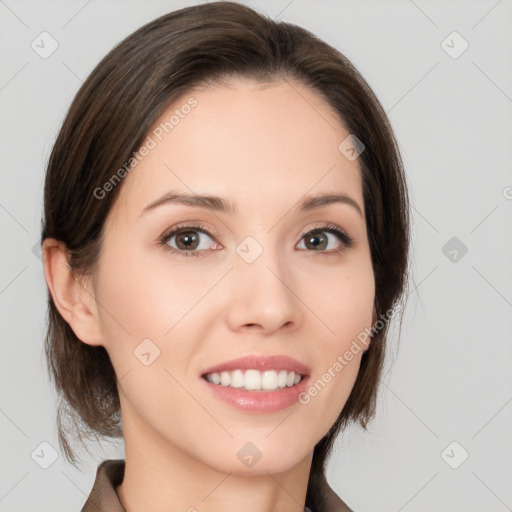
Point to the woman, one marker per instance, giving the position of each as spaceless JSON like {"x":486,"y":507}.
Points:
{"x":225,"y":240}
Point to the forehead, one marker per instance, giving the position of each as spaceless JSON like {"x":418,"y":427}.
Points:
{"x":258,"y":145}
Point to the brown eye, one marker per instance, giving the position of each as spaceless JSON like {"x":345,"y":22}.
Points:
{"x":187,"y":240}
{"x":318,"y":239}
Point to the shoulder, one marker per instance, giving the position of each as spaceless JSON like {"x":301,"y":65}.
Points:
{"x":103,"y":496}
{"x":110,"y":473}
{"x":323,"y":498}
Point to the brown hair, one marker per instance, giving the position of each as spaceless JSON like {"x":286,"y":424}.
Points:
{"x":109,"y":119}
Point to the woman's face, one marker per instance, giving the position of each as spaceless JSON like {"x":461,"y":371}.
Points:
{"x":270,"y":279}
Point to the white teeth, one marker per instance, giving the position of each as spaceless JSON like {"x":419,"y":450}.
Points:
{"x":254,"y":379}
{"x":282,"y":378}
{"x":225,"y":379}
{"x":268,"y":380}
{"x":237,"y":379}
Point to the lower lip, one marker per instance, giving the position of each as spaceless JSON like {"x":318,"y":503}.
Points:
{"x":260,"y":401}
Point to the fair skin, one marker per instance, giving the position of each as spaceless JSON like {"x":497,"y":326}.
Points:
{"x":263,"y":148}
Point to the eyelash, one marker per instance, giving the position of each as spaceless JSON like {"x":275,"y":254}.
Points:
{"x":347,"y":241}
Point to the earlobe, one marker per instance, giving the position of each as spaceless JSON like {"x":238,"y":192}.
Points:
{"x":73,"y":298}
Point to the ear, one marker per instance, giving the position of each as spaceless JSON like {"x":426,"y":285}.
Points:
{"x":73,"y":298}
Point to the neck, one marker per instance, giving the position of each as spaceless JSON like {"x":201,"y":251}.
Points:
{"x":161,"y":477}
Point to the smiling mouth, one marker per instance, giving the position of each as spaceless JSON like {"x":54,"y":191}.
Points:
{"x":255,"y":380}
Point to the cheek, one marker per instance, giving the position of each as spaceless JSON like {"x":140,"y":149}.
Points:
{"x":345,"y":306}
{"x":343,"y":301}
{"x":329,"y":388}
{"x":152,"y":312}
{"x":146,"y":319}
{"x":140,"y":299}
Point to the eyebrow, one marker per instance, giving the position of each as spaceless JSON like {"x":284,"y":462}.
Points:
{"x":219,"y":204}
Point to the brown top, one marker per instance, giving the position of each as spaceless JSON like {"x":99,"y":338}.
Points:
{"x":110,"y":474}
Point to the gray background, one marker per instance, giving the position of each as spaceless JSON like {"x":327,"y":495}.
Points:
{"x":450,"y":378}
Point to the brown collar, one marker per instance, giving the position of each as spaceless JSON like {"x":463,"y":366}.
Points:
{"x":110,"y":474}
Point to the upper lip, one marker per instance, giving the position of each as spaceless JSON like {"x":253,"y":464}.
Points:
{"x":275,"y":362}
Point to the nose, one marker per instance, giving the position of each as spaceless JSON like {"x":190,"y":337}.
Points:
{"x":263,"y":296}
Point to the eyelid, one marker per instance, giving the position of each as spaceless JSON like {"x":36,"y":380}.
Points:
{"x":326,"y":226}
{"x":192,"y":225}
